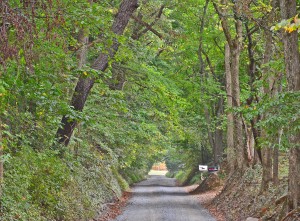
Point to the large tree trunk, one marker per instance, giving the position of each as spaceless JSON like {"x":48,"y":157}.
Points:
{"x":230,"y":141}
{"x":235,"y":45}
{"x":250,"y":129}
{"x":85,"y":84}
{"x":292,"y":68}
{"x":267,"y":150}
{"x":238,"y":125}
{"x":235,"y":48}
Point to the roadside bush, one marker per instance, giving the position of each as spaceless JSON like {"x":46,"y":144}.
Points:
{"x":32,"y":185}
{"x":180,"y":176}
{"x":40,"y":186}
{"x":170,"y":174}
{"x":196,"y":179}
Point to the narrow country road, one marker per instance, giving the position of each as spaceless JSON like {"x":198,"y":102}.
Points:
{"x":158,"y":199}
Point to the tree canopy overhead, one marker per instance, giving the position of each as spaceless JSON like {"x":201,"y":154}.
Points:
{"x":86,"y":85}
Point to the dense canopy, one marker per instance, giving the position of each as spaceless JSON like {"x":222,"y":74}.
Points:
{"x":92,"y":93}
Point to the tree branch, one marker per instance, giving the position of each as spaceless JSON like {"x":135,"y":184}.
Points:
{"x":149,"y":27}
{"x":152,"y":23}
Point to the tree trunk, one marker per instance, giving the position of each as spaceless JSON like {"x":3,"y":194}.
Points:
{"x":250,"y":143}
{"x":238,"y":125}
{"x":267,"y":150}
{"x":276,"y":153}
{"x":235,"y":48}
{"x":292,"y":68}
{"x":250,"y":132}
{"x":267,"y":168}
{"x":85,"y":84}
{"x":239,"y":157}
{"x":275,"y":165}
{"x":230,"y":141}
{"x":219,"y":132}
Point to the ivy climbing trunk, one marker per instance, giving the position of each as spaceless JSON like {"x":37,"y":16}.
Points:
{"x":85,"y":84}
{"x":292,"y":69}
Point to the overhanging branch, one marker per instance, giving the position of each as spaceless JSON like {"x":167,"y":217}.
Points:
{"x":147,"y":26}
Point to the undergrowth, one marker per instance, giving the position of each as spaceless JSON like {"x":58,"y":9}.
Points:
{"x":39,"y":186}
{"x":242,"y":197}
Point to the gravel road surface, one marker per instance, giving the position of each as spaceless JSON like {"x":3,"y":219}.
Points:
{"x":158,"y":199}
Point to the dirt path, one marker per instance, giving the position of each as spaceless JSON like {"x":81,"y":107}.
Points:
{"x":158,"y":199}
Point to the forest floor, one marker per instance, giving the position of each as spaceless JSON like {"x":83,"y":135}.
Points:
{"x":242,"y":197}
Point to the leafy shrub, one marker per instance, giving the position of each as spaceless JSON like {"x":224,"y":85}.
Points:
{"x":196,"y":179}
{"x":32,"y":185}
{"x":41,"y":186}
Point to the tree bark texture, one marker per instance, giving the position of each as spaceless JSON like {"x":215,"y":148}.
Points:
{"x":235,"y":48}
{"x":292,"y":68}
{"x":238,"y":125}
{"x":267,"y":150}
{"x":276,"y":164}
{"x":231,"y":155}
{"x":250,"y":129}
{"x":84,"y":85}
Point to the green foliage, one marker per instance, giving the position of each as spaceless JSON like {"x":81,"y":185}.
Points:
{"x":35,"y":181}
{"x":180,"y":175}
{"x":164,"y":108}
{"x":187,"y":176}
{"x":196,"y":179}
{"x":46,"y":187}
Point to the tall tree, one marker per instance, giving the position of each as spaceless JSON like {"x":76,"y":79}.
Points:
{"x":230,"y":129}
{"x":292,"y":68}
{"x":235,"y":46}
{"x":266,"y":150}
{"x":85,"y":84}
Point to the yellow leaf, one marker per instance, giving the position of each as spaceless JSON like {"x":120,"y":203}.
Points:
{"x":289,"y":29}
{"x":85,"y":73}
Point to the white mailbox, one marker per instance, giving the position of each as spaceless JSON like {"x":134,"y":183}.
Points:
{"x":203,"y":168}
